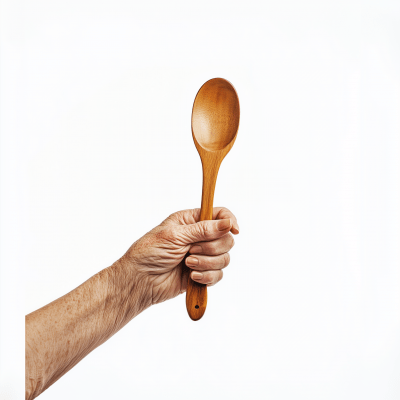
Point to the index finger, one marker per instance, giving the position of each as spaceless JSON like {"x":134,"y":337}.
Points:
{"x":191,"y":216}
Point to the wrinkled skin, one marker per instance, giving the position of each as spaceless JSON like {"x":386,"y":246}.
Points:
{"x":160,"y":253}
{"x":154,"y":269}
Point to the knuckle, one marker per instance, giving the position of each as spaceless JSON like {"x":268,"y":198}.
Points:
{"x":227,"y":259}
{"x":205,"y":228}
{"x":225,"y":210}
{"x":197,"y":230}
{"x":229,"y":212}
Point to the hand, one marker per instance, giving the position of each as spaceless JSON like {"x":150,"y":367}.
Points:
{"x":158,"y":256}
{"x":63,"y":332}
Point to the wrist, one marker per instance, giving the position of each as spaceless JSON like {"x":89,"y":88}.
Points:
{"x":129,"y":291}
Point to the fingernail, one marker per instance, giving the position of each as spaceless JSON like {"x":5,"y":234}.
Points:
{"x":196,"y":249}
{"x":192,"y":261}
{"x":224,"y":224}
{"x":197,"y":275}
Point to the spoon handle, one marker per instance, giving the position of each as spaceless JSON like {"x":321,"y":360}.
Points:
{"x":196,"y":293}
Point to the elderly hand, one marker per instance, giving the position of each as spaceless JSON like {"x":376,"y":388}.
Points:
{"x":63,"y":332}
{"x":159,"y":255}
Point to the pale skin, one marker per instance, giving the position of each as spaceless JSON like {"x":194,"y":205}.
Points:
{"x":62,"y":333}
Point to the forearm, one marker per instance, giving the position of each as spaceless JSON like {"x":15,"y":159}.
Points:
{"x":60,"y":334}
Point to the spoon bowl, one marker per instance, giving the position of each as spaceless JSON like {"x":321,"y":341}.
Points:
{"x":215,"y":115}
{"x":215,"y":123}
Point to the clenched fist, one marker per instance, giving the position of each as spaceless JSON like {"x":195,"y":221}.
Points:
{"x":159,"y":255}
{"x":63,"y":332}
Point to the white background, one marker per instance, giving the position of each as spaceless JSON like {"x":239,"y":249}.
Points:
{"x":96,"y":149}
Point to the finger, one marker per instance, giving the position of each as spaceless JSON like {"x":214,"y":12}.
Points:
{"x":223,"y":213}
{"x":191,"y":216}
{"x":203,"y":231}
{"x":205,"y":263}
{"x":208,"y":278}
{"x":215,"y":247}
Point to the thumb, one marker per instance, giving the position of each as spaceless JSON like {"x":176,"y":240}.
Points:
{"x":205,"y":231}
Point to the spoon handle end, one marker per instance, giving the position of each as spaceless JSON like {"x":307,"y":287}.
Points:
{"x":196,"y":299}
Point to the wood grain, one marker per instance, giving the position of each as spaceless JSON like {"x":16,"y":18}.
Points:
{"x":215,"y":123}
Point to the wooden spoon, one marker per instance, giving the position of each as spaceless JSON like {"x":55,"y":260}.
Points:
{"x":215,"y":123}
